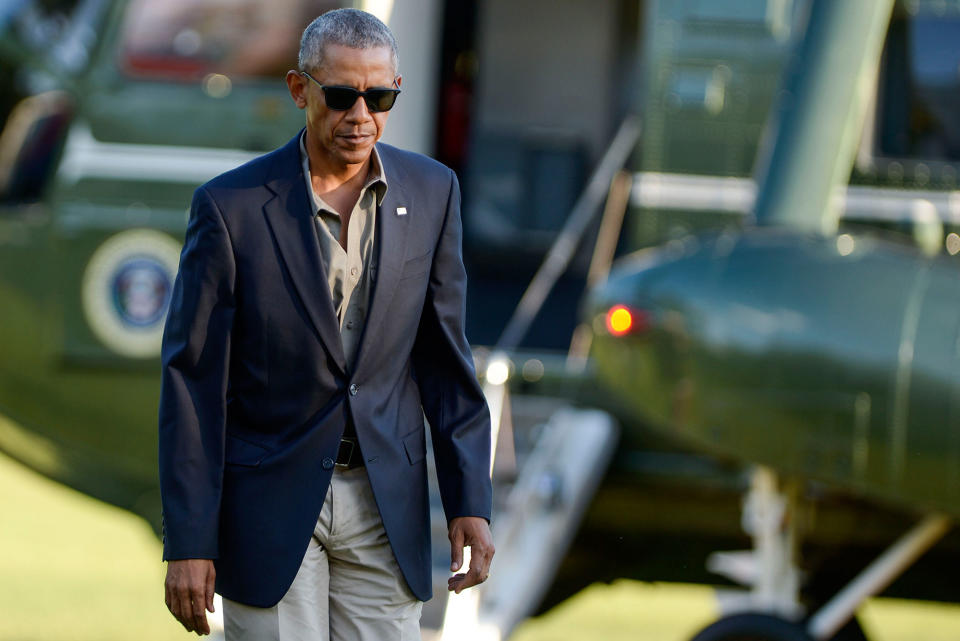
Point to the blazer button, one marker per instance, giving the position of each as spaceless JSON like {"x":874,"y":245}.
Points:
{"x":327,"y":463}
{"x":354,"y":388}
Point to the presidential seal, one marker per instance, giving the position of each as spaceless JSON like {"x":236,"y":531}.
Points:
{"x":127,"y":287}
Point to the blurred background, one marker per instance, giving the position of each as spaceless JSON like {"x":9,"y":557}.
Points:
{"x":713,"y":299}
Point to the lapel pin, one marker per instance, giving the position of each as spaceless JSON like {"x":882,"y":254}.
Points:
{"x":401,"y":211}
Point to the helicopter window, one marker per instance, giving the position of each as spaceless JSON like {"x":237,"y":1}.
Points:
{"x":918,"y":113}
{"x":745,"y":11}
{"x":189,"y":39}
{"x":770,"y":15}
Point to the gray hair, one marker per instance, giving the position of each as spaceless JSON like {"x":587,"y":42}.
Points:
{"x":347,"y":27}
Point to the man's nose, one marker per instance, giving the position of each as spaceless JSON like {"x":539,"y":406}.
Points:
{"x":359,"y":110}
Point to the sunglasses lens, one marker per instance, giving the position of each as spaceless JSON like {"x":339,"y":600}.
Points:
{"x":343,"y":98}
{"x":340,"y":98}
{"x":380,"y":99}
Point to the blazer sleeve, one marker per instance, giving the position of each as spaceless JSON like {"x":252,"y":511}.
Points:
{"x":450,"y":393}
{"x":195,"y":362}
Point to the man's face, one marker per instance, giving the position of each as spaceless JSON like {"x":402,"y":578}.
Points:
{"x":344,"y":137}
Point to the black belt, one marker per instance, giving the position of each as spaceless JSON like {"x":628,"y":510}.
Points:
{"x":349,"y":455}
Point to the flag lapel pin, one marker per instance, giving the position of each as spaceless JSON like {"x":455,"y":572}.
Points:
{"x":401,"y":211}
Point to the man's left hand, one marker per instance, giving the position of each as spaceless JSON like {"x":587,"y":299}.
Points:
{"x":472,"y":532}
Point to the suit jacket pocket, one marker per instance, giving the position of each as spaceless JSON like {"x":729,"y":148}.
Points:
{"x":241,"y":452}
{"x":417,"y":265}
{"x":415,"y":444}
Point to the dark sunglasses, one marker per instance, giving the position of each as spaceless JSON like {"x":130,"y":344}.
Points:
{"x":343,"y":98}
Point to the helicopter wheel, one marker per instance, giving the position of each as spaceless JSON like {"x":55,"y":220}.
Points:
{"x":753,"y":627}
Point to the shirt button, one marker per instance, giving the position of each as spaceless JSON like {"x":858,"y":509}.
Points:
{"x":354,"y":388}
{"x":327,"y":463}
{"x":353,"y":271}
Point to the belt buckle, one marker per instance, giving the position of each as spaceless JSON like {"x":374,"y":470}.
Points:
{"x":349,"y":455}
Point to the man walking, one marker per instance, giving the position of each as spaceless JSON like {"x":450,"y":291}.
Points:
{"x":318,"y":314}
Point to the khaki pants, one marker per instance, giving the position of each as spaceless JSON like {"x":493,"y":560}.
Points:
{"x":349,"y":586}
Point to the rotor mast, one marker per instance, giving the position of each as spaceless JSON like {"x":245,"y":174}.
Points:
{"x":811,"y":138}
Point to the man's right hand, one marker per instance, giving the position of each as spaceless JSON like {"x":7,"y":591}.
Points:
{"x":189,"y":592}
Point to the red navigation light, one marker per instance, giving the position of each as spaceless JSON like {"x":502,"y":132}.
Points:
{"x":619,"y":320}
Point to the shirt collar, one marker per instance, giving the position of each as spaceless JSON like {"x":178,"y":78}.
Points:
{"x":376,"y":177}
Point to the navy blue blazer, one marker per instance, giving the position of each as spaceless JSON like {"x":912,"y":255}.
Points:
{"x":256,"y":392}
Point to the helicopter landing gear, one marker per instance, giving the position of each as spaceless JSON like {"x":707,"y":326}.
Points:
{"x":770,"y":517}
{"x":772,"y":610}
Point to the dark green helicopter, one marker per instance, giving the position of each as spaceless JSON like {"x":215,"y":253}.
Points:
{"x":828,"y":354}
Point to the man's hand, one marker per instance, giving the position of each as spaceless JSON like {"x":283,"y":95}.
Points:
{"x":189,"y":592}
{"x":472,"y":532}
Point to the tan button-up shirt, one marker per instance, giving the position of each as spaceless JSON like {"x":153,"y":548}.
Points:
{"x":349,"y":270}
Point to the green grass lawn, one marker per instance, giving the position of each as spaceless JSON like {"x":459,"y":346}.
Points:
{"x":625,"y":611}
{"x":74,"y":569}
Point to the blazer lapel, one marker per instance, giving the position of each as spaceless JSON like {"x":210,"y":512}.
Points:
{"x":295,"y":232}
{"x":392,"y":229}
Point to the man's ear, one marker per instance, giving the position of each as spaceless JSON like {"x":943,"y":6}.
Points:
{"x":297,"y":85}
{"x":399,"y":81}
